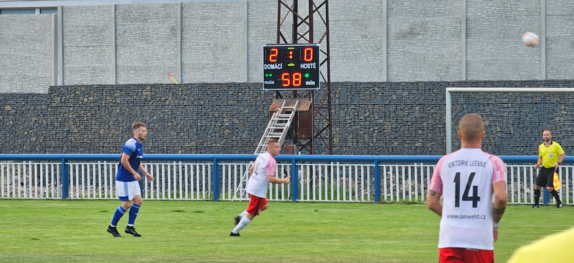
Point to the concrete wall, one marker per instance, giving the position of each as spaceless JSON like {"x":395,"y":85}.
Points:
{"x":396,"y":118}
{"x":424,"y":40}
{"x":88,"y":44}
{"x":261,"y":30}
{"x":213,"y":47}
{"x":559,"y":39}
{"x":146,"y":40}
{"x":370,"y":40}
{"x":494,"y":47}
{"x":26,"y":53}
{"x":354,"y":27}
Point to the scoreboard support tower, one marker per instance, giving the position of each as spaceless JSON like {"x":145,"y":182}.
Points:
{"x":319,"y":115}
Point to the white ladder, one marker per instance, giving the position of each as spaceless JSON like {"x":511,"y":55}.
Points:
{"x":276,"y":129}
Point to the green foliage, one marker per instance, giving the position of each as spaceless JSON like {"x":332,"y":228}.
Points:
{"x":75,"y":231}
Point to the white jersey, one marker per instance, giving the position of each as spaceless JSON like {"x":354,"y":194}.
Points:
{"x":465,"y":180}
{"x":264,"y":165}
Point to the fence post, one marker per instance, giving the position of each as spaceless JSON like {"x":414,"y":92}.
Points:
{"x":546,"y":196}
{"x":215,"y":180}
{"x":294,"y":181}
{"x":65,"y":180}
{"x":377,"y":182}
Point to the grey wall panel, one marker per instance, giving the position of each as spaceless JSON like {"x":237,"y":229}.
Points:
{"x":26,"y":53}
{"x":87,"y":39}
{"x":424,"y":40}
{"x":356,"y":48}
{"x":262,"y":29}
{"x":212,"y":42}
{"x":494,"y":47}
{"x":146,"y":43}
{"x":560,"y":39}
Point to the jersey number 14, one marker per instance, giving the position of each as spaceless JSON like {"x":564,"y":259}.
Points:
{"x":465,"y":196}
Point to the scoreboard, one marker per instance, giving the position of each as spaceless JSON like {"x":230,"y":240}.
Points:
{"x":291,"y":67}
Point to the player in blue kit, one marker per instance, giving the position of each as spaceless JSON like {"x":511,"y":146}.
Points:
{"x":127,"y":187}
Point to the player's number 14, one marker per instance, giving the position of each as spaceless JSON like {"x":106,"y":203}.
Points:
{"x":465,"y":196}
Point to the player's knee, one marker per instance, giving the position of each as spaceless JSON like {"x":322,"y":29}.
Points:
{"x":126,"y":205}
{"x":550,"y":189}
{"x":264,"y":207}
{"x":250,"y":216}
{"x":138,"y":200}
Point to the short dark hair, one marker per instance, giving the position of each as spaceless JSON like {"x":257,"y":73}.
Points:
{"x":471,"y":126}
{"x":137,"y":125}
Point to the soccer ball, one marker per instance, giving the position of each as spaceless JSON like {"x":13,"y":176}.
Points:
{"x":530,"y":39}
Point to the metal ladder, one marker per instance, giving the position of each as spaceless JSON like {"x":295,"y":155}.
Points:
{"x":276,"y":129}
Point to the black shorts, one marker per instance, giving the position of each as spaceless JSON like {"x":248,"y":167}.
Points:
{"x":545,"y":177}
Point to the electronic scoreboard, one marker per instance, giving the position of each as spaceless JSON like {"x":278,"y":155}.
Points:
{"x":291,"y":67}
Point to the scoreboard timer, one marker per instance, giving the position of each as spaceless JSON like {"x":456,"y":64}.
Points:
{"x":291,"y":67}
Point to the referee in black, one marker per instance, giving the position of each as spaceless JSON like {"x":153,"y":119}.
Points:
{"x":550,"y":157}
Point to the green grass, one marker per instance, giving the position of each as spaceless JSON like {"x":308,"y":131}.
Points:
{"x":75,"y":231}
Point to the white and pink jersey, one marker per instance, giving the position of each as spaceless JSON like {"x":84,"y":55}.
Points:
{"x":465,"y":180}
{"x":264,"y":165}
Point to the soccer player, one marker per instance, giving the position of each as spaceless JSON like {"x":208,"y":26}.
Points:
{"x":467,"y":180}
{"x":262,"y":173}
{"x":550,"y":156}
{"x":127,"y":187}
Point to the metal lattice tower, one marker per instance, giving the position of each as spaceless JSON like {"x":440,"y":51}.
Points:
{"x":302,"y":30}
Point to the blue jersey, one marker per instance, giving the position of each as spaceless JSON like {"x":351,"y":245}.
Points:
{"x":134,"y":149}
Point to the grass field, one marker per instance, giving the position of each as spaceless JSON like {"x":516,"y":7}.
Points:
{"x":75,"y":231}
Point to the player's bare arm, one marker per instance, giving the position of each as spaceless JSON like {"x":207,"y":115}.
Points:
{"x":433,"y":202}
{"x":125,"y":162}
{"x":538,"y":163}
{"x":500,"y":199}
{"x":275,"y":180}
{"x":499,"y":205}
{"x":146,"y":173}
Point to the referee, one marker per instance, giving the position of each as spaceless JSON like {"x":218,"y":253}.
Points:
{"x":550,"y":157}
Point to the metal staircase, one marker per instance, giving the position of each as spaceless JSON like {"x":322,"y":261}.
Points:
{"x":276,"y":129}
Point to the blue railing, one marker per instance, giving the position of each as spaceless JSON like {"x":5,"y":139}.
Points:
{"x":294,"y":160}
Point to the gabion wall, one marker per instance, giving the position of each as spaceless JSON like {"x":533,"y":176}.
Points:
{"x":368,"y":118}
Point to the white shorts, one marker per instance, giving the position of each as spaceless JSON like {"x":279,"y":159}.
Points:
{"x":127,"y":190}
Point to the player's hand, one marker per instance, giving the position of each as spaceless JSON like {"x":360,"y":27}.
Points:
{"x":495,"y":233}
{"x":287,"y":180}
{"x":137,"y":177}
{"x":556,"y":167}
{"x":149,"y":177}
{"x":536,"y":166}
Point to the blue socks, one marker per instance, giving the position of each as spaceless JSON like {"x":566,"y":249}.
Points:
{"x":117,"y":216}
{"x":120,"y":212}
{"x":133,"y":214}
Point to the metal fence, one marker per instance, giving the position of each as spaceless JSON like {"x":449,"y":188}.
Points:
{"x":217,"y":177}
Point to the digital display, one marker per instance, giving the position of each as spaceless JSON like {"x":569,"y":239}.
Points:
{"x":291,"y":67}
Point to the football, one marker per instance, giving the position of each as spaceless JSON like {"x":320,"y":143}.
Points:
{"x":530,"y":39}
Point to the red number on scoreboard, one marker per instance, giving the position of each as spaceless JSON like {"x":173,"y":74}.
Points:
{"x":308,"y":54}
{"x":286,"y":80}
{"x":273,"y":55}
{"x":296,"y":79}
